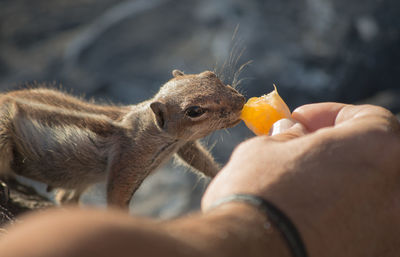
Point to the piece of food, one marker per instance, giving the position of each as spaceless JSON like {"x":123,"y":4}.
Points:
{"x":259,"y":113}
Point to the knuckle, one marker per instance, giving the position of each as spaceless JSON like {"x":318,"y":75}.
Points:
{"x":251,"y":145}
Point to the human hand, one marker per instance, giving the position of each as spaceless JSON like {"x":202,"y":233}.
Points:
{"x":336,"y":176}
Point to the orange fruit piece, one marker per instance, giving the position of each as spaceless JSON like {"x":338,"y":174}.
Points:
{"x":260,"y":113}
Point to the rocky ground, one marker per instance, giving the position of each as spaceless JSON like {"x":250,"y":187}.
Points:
{"x":122,"y":51}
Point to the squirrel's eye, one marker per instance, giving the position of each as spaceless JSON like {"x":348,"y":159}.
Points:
{"x":194,"y":111}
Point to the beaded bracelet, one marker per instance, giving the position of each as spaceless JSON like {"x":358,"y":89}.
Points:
{"x":277,"y":217}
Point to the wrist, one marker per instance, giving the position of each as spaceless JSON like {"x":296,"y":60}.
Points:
{"x":250,"y":229}
{"x":232,"y":229}
{"x":275,"y":215}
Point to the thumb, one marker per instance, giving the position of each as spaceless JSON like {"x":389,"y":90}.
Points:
{"x":286,"y":129}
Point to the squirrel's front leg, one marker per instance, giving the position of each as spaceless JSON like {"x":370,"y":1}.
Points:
{"x":197,"y":156}
{"x":124,"y":178}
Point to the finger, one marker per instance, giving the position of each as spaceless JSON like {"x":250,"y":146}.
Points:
{"x":316,"y":116}
{"x":286,"y":129}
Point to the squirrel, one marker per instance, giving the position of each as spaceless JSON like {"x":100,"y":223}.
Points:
{"x":69,"y":143}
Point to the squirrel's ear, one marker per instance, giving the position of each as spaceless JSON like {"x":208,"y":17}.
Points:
{"x":160,"y":112}
{"x":208,"y":74}
{"x":177,"y":73}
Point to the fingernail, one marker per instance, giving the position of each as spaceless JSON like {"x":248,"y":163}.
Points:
{"x":280,"y":126}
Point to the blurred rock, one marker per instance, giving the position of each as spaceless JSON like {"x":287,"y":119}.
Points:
{"x":122,"y":51}
{"x":388,"y":99}
{"x":167,"y":193}
{"x":16,"y":199}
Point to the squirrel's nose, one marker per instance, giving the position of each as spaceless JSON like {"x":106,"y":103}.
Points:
{"x":240,"y":102}
{"x":243,"y":100}
{"x":239,"y":99}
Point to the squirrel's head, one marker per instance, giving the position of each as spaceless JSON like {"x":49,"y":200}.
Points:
{"x":192,"y":106}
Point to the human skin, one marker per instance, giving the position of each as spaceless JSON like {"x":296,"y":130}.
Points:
{"x":335,"y":176}
{"x":339,"y":183}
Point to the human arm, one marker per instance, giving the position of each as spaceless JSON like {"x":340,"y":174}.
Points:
{"x":338,"y":184}
{"x":231,"y":230}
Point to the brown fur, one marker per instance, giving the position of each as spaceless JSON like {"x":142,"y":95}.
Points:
{"x":70,"y":144}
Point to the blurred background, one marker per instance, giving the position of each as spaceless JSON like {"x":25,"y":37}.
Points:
{"x":123,"y":51}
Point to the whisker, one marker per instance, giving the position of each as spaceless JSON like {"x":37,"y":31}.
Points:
{"x":238,"y":72}
{"x":215,"y":67}
{"x":228,"y":73}
{"x":238,"y":84}
{"x":227,"y":131}
{"x":211,"y":147}
{"x":239,"y":56}
{"x":235,"y":32}
{"x":232,"y":56}
{"x":233,"y":51}
{"x":236,"y":56}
